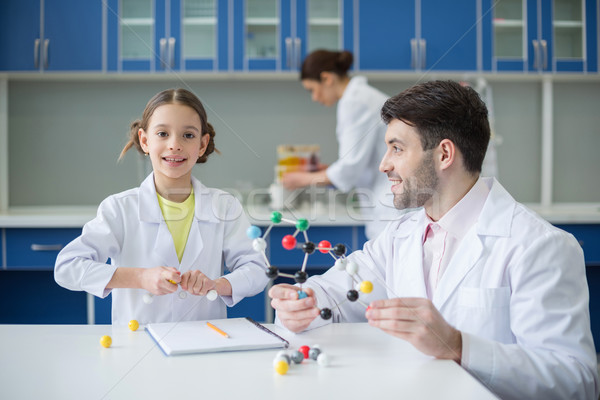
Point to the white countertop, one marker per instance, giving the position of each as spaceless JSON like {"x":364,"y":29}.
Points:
{"x":318,"y":214}
{"x":67,"y":362}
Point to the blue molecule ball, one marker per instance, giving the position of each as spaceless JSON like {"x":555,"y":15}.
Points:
{"x":253,"y":232}
{"x":302,"y":294}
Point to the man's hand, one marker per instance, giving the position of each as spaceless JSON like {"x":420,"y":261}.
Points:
{"x":296,"y":315}
{"x":417,"y":321}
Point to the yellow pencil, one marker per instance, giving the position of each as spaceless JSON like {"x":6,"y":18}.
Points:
{"x":220,"y":332}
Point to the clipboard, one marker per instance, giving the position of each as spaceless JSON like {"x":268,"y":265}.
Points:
{"x":194,"y":337}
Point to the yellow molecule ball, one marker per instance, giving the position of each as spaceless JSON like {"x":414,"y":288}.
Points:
{"x":366,"y":287}
{"x":106,"y":341}
{"x":134,"y":325}
{"x":281,"y":367}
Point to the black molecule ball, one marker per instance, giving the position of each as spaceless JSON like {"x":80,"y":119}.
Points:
{"x":326,"y":313}
{"x":272,"y":272}
{"x":300,"y":277}
{"x":308,"y":247}
{"x":352,"y":295}
{"x":339,"y":249}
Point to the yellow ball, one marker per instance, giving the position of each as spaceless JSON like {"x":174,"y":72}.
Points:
{"x":106,"y":341}
{"x":134,"y":325}
{"x":366,"y":287}
{"x":281,"y":367}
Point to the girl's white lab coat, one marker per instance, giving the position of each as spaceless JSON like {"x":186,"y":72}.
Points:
{"x":130,"y":230}
{"x":516,"y":289}
{"x":361,"y":147}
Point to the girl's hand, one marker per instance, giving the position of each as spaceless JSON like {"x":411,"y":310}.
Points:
{"x":197,"y":283}
{"x":157,"y":280}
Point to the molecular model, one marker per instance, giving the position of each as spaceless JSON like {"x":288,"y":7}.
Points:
{"x":284,"y":359}
{"x":289,"y":242}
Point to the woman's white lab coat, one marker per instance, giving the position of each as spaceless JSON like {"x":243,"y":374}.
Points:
{"x":361,"y":146}
{"x":516,"y":289}
{"x":130,"y":230}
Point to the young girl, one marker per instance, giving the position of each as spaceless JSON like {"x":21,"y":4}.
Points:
{"x":170,"y":237}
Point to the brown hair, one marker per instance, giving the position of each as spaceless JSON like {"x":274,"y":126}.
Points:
{"x":444,"y":110}
{"x":338,"y":62}
{"x":171,"y":96}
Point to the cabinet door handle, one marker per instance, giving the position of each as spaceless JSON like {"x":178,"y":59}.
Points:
{"x":46,"y":247}
{"x":544,"y":46}
{"x":288,"y":52}
{"x":536,"y":54}
{"x":413,"y":53}
{"x":172,"y":52}
{"x":45,"y":60}
{"x":36,"y":53}
{"x":162,"y":53}
{"x":297,"y":45}
{"x":423,"y":52}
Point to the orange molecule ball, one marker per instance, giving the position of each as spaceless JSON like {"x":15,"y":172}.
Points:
{"x":324,"y":244}
{"x":288,"y":242}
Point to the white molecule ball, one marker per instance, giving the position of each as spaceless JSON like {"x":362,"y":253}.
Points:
{"x":323,"y":360}
{"x":351,"y":268}
{"x":148,"y":298}
{"x":340,"y":263}
{"x":259,"y":245}
{"x":212,"y":295}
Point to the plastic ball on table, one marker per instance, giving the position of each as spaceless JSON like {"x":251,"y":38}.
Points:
{"x":326,"y":313}
{"x":148,"y":299}
{"x":281,"y":367}
{"x":134,"y":325}
{"x":253,"y":232}
{"x":302,"y":224}
{"x":281,"y":356}
{"x":324,"y":246}
{"x":366,"y":286}
{"x":275,"y":217}
{"x":259,"y":245}
{"x":323,"y":360}
{"x":308,"y":247}
{"x":297,"y":357}
{"x":106,"y":341}
{"x":304,"y":350}
{"x":272,"y":272}
{"x":341,"y":263}
{"x":339,"y":250}
{"x":302,"y":294}
{"x":313,"y":353}
{"x":288,"y":242}
{"x":352,"y":295}
{"x":300,"y":277}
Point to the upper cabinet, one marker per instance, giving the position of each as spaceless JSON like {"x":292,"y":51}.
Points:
{"x":165,"y":35}
{"x":540,"y":36}
{"x":50,"y":35}
{"x":277,"y":34}
{"x":418,"y":35}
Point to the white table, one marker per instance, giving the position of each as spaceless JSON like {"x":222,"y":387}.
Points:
{"x":67,"y":362}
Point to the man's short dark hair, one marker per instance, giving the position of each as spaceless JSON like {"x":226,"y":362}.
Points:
{"x":444,"y":110}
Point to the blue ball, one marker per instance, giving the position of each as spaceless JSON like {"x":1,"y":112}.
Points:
{"x":302,"y":294}
{"x":253,"y":232}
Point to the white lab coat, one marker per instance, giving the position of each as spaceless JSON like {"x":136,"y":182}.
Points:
{"x":516,"y":289}
{"x":130,"y":230}
{"x":360,"y":134}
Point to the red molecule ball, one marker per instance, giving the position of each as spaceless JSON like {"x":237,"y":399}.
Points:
{"x":304,"y":350}
{"x":288,"y":242}
{"x":324,"y":244}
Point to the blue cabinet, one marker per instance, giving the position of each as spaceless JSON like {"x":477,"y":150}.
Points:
{"x":277,"y":34}
{"x":36,"y":249}
{"x":50,"y":35}
{"x":540,"y":36}
{"x":167,"y":35}
{"x":418,"y":35}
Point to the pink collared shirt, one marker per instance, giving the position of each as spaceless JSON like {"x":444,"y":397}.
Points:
{"x":442,"y":238}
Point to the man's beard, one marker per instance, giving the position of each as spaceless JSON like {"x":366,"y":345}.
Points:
{"x":421,"y":187}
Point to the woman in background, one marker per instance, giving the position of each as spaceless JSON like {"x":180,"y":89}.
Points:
{"x":360,"y":133}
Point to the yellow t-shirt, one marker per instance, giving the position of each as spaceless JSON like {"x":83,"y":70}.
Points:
{"x":178,"y":217}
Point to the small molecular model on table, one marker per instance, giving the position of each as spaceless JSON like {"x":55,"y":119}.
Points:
{"x":289,"y":242}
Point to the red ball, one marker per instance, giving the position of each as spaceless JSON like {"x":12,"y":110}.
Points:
{"x":304,"y":350}
{"x":324,"y":244}
{"x":288,"y":242}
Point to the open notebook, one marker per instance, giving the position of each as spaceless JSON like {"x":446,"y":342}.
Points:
{"x":197,"y":337}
